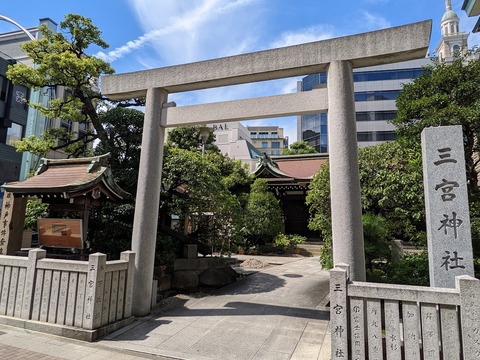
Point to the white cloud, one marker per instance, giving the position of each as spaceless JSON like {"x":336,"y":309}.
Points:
{"x":374,"y":22}
{"x":188,"y":30}
{"x":312,"y":33}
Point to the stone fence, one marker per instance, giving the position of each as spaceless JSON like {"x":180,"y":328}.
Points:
{"x":79,"y":299}
{"x":383,"y":321}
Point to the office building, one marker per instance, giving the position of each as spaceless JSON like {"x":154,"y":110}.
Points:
{"x":17,"y":120}
{"x":376,"y":89}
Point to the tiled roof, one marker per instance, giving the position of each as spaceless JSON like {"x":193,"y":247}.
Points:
{"x":299,"y":167}
{"x":70,"y":178}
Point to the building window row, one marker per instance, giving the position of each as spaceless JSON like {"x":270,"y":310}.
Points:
{"x":376,"y":95}
{"x":311,"y":81}
{"x":375,"y":115}
{"x":376,"y":136}
{"x":402,"y":74}
{"x":264,"y":135}
{"x":273,"y":145}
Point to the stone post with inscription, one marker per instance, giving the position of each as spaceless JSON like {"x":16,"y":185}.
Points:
{"x":469,"y":289}
{"x":11,"y":223}
{"x":339,"y":311}
{"x":94,"y":291}
{"x":446,"y":204}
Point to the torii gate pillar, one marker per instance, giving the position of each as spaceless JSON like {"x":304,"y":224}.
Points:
{"x":347,"y":228}
{"x":147,"y":201}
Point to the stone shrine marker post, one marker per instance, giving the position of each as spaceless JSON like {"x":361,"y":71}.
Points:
{"x":446,"y":203}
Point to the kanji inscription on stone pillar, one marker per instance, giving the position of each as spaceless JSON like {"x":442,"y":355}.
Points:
{"x":446,"y":204}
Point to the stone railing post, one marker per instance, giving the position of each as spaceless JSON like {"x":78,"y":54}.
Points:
{"x":128,"y":256}
{"x":469,"y":289}
{"x":30,"y":277}
{"x":94,"y":295}
{"x":339,"y":311}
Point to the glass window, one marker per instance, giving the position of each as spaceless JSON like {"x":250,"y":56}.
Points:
{"x":324,"y":139}
{"x":309,"y":82}
{"x":375,"y":115}
{"x":15,"y":132}
{"x":365,"y":136}
{"x":82,"y":126}
{"x":376,"y":95}
{"x":67,"y":125}
{"x":264,"y":145}
{"x":386,"y":136}
{"x":3,"y":88}
{"x":323,"y":118}
{"x":275,"y":144}
{"x":386,"y":75}
{"x":376,"y":136}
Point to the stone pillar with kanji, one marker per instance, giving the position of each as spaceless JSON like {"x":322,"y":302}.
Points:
{"x":11,"y":224}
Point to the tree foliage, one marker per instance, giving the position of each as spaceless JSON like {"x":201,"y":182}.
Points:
{"x":392,"y":186}
{"x":299,"y":147}
{"x":445,"y":94}
{"x":123,"y":128}
{"x":188,"y":138}
{"x":61,"y":61}
{"x":318,"y":201}
{"x":263,"y":213}
{"x":391,"y":183}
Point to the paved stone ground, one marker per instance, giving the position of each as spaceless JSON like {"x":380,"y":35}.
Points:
{"x":277,"y":313}
{"x":20,"y":344}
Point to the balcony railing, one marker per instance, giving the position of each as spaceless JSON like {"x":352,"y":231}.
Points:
{"x":264,"y":136}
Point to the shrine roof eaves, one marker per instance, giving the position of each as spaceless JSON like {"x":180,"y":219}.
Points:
{"x":70,"y":177}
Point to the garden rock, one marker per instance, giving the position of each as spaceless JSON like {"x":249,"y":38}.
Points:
{"x":218,"y":277}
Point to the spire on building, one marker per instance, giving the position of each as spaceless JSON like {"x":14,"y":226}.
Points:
{"x":452,"y":39}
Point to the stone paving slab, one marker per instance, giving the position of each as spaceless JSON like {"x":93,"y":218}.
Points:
{"x":279,"y":312}
{"x":20,"y":344}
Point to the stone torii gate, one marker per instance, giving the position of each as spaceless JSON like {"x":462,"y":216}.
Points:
{"x":336,"y":56}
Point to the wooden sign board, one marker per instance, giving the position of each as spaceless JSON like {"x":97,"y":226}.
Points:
{"x":66,"y":233}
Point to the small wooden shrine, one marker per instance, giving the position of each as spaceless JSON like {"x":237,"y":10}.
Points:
{"x":67,"y":185}
{"x":289,"y":177}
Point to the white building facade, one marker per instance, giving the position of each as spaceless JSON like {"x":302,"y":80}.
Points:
{"x":233,"y":139}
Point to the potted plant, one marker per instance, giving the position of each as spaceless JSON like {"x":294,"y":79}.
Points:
{"x":289,"y":242}
{"x":296,"y":240}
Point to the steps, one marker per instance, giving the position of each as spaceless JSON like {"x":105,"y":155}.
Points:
{"x":310,"y":248}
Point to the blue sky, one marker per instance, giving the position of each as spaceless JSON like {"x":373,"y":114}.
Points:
{"x":145,"y":34}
